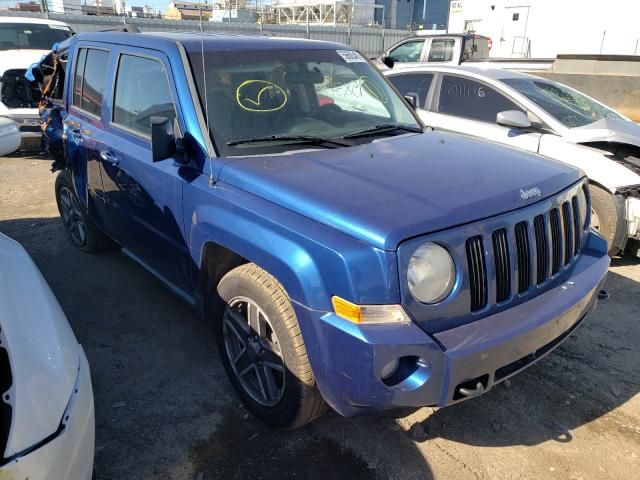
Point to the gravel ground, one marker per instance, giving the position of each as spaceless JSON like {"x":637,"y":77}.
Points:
{"x":164,"y":408}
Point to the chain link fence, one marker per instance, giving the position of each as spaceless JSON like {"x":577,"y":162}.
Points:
{"x":370,"y":41}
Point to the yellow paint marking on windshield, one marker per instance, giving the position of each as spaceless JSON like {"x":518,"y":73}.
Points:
{"x":373,"y":89}
{"x":251,"y":96}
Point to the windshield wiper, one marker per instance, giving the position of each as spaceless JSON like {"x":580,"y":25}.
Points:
{"x":385,"y":127}
{"x":295,"y":139}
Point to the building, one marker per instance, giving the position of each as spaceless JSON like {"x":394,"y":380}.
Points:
{"x":546,"y":28}
{"x":414,"y":14}
{"x":26,"y":7}
{"x":190,"y":10}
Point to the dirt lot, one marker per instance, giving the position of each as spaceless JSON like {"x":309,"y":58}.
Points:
{"x":164,"y":408}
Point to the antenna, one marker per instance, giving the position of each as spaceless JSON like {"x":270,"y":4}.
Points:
{"x":212,"y":181}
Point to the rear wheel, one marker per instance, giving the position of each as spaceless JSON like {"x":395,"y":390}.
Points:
{"x":604,"y":215}
{"x":262,"y":349}
{"x":80,"y":229}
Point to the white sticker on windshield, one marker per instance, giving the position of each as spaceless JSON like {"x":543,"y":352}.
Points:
{"x":59,"y":27}
{"x":350,"y":56}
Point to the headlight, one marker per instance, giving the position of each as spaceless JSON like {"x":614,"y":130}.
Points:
{"x":583,"y":206}
{"x":431,"y":274}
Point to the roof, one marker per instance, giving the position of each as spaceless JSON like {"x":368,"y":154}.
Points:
{"x":485,"y":71}
{"x":210,"y":41}
{"x":32,"y":20}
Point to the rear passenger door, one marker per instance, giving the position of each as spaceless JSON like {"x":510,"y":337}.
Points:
{"x":466,"y":105}
{"x":144,"y":198}
{"x":83,"y":126}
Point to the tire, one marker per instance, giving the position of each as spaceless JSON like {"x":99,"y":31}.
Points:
{"x":606,"y":215}
{"x":291,"y":399}
{"x":81,"y":231}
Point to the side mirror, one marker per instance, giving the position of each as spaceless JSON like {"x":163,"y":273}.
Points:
{"x":163,"y":140}
{"x":513,"y":118}
{"x":413,"y":99}
{"x":388,"y":61}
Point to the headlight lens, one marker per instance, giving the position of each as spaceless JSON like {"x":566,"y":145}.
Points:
{"x":583,"y":205}
{"x":431,"y":273}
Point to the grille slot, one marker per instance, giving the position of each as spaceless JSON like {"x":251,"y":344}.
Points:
{"x":477,"y":273}
{"x":523,"y":255}
{"x":541,"y":248}
{"x":567,"y":223}
{"x":503,"y":269}
{"x":556,"y":240}
{"x":577,"y":222}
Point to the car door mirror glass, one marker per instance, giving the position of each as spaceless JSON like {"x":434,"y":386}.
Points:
{"x":163,"y":140}
{"x":513,"y":118}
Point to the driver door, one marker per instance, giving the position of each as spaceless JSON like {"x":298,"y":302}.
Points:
{"x":465,"y":105}
{"x":144,"y":198}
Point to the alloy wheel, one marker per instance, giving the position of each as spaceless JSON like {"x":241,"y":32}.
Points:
{"x":72,"y":217}
{"x":253,"y":351}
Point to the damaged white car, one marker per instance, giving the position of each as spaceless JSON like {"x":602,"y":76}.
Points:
{"x":47,"y":428}
{"x":23,"y":41}
{"x":545,"y":117}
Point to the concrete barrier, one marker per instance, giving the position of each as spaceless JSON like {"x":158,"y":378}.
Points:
{"x":611,"y":79}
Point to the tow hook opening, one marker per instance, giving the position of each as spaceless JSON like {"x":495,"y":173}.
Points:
{"x":471,"y":388}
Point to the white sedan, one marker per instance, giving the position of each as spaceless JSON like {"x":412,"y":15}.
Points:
{"x":9,"y":136}
{"x":46,"y":408}
{"x":545,"y":117}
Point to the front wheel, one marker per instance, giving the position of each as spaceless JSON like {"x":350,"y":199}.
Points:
{"x":262,"y":350}
{"x":604,"y":215}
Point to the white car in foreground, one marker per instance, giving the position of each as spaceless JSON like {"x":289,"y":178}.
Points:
{"x":9,"y":136}
{"x":46,"y":408}
{"x":23,"y":41}
{"x":545,"y":117}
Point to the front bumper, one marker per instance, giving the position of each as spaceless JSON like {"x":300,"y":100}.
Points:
{"x":347,"y":359}
{"x":68,"y":453}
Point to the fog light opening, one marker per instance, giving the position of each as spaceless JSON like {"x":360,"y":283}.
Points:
{"x":398,"y":370}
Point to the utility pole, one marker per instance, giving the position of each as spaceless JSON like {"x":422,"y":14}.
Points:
{"x":44,"y":8}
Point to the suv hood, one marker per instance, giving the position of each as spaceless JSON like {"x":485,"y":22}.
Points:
{"x":607,"y":130}
{"x":10,"y":59}
{"x":43,"y":352}
{"x":387,"y":191}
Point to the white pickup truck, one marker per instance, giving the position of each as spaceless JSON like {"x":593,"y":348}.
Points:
{"x":23,"y":41}
{"x":452,"y":49}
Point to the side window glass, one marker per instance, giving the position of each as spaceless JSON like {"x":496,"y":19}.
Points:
{"x":441,"y":50}
{"x":467,"y":98}
{"x":142,"y":92}
{"x":95,"y":72}
{"x":413,"y":83}
{"x":79,"y":74}
{"x":407,"y":52}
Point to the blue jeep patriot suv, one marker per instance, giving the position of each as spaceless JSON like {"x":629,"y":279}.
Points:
{"x":344,"y":256}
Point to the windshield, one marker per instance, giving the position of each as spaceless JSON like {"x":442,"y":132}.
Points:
{"x":569,"y":107}
{"x":31,"y":36}
{"x":303,"y":98}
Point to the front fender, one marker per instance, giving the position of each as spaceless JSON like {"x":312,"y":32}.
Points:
{"x":311,"y":260}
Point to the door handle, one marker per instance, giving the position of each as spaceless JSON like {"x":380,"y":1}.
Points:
{"x":80,"y":131}
{"x":109,"y":157}
{"x":73,"y":123}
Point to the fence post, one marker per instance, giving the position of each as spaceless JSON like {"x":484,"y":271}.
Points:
{"x":382,"y":46}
